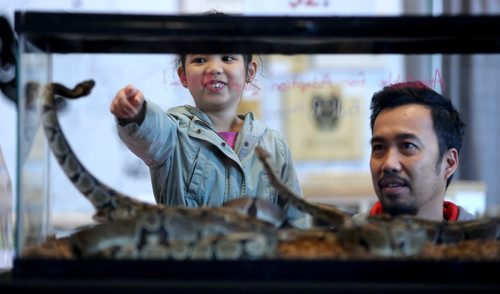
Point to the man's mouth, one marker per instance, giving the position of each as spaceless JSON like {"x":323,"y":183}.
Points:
{"x":393,"y":185}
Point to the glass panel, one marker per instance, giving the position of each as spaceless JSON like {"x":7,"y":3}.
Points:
{"x":320,"y":102}
{"x":33,"y":174}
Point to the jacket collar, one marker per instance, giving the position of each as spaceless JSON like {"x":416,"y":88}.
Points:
{"x":250,"y":124}
{"x":192,"y":113}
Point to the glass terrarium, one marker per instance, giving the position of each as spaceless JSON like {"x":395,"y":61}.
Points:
{"x":316,"y":79}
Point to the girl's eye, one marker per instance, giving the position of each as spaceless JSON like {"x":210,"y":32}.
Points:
{"x":228,"y":58}
{"x":198,"y":60}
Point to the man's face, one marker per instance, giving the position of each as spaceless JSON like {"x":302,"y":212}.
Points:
{"x":404,"y":164}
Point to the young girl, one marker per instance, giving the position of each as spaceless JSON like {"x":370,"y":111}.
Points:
{"x":205,"y":155}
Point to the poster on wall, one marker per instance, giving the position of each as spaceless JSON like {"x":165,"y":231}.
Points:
{"x":323,"y":124}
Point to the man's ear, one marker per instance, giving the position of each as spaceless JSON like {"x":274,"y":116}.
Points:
{"x":182,"y":76}
{"x":450,"y":161}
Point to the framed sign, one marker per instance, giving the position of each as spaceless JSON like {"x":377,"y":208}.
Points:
{"x":323,"y":124}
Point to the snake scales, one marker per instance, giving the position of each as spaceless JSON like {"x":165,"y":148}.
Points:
{"x":246,"y":228}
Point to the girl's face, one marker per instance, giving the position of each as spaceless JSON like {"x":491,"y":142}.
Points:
{"x":216,"y":81}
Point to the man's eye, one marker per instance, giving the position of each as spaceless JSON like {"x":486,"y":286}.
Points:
{"x":377,"y":147}
{"x":408,"y":146}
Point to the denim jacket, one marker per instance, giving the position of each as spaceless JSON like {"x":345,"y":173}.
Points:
{"x":191,"y":164}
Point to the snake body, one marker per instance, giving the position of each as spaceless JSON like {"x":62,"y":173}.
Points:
{"x":108,"y":202}
{"x":175,"y":236}
{"x":385,"y":235}
{"x":327,"y":213}
{"x":245,"y":228}
{"x":127,"y":222}
{"x":449,"y":232}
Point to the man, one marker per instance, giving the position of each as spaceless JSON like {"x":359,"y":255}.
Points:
{"x":416,"y":139}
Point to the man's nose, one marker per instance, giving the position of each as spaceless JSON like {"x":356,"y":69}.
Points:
{"x":391,"y":162}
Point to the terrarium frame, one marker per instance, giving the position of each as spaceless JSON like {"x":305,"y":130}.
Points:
{"x":42,"y":34}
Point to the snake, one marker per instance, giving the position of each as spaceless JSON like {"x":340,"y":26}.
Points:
{"x":160,"y":235}
{"x":243,"y":228}
{"x":385,"y":234}
{"x":109,"y":203}
{"x":127,"y":222}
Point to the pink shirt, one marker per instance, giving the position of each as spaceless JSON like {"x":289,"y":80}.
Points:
{"x":230,"y":137}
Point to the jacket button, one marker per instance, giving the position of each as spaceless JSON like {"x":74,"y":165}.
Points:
{"x":223,"y":144}
{"x":198,"y":131}
{"x":246,"y":144}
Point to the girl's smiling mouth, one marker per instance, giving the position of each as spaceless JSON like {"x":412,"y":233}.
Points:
{"x":214,"y":86}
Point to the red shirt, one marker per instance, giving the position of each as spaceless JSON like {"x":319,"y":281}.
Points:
{"x":450,"y":210}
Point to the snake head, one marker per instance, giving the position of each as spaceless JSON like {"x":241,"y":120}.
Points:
{"x":85,"y":87}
